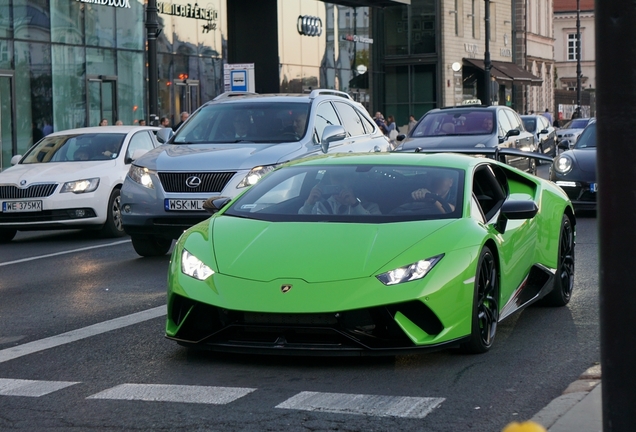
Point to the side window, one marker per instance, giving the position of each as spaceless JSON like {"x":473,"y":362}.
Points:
{"x":350,"y":119}
{"x":475,"y":210}
{"x":368,"y":124}
{"x":325,"y":116}
{"x":515,"y":121}
{"x":504,"y":123}
{"x":488,"y":191}
{"x":141,"y":140}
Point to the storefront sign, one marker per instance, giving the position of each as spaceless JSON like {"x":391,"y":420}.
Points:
{"x":356,"y":38}
{"x":506,"y":52}
{"x":186,"y":11}
{"x":113,"y":3}
{"x":309,"y":25}
{"x":471,"y":49}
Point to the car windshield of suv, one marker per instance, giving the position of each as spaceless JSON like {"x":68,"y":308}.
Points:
{"x":455,"y":122}
{"x":246,"y":121}
{"x":529,"y":123}
{"x":353,"y":193}
{"x":576,"y":124}
{"x":75,"y":148}
{"x":587,"y":138}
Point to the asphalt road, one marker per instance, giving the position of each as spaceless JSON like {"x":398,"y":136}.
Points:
{"x":82,"y":349}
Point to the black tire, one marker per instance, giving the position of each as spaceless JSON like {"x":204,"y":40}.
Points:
{"x":6,"y":235}
{"x":540,"y":151}
{"x":485,"y":315}
{"x":151,"y":246}
{"x":113,"y":226}
{"x":564,"y":277}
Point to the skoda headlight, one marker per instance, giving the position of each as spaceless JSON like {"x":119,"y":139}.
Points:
{"x":410,"y":272}
{"x":194,"y":267}
{"x":142,"y":176}
{"x":255,"y":175}
{"x":563,"y":164}
{"x":80,"y":186}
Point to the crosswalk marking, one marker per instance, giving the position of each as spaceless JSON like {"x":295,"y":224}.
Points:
{"x":174,"y":393}
{"x":371,"y":405}
{"x":19,"y":387}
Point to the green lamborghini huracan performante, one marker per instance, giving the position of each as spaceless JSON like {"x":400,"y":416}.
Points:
{"x":371,"y":254}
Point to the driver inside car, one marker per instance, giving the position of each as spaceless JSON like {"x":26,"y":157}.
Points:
{"x":337,"y":197}
{"x":438,"y":192}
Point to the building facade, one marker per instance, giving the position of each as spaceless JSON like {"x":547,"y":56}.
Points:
{"x":565,"y":54}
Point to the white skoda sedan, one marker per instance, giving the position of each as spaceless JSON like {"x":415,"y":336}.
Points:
{"x":71,"y":180}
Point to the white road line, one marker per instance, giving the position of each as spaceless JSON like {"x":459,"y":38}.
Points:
{"x":63,"y":253}
{"x":174,"y":393}
{"x":18,"y":387}
{"x":82,"y":333}
{"x":370,"y":405}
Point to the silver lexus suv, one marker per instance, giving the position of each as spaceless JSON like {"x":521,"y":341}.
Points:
{"x":227,"y":145}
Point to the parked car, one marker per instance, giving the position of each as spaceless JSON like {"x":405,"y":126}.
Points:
{"x":226,"y":146}
{"x":545,"y":133}
{"x":572,"y":129}
{"x":575,"y":169}
{"x":472,"y":126}
{"x":421,"y":251}
{"x":71,"y":179}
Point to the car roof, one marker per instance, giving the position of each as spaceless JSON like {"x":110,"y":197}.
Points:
{"x":238,"y":97}
{"x":103,"y":129}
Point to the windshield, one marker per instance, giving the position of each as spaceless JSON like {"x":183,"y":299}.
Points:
{"x":529,"y":123}
{"x":464,"y":122}
{"x":75,"y":148}
{"x":587,"y":138}
{"x":353,"y":193}
{"x":576,"y":124}
{"x":248,"y":121}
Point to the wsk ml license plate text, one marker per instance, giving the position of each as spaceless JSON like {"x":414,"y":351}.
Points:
{"x":21,"y":206}
{"x":183,"y":204}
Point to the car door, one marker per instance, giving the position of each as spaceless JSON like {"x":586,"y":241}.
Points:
{"x":547,"y":136}
{"x":525,"y":141}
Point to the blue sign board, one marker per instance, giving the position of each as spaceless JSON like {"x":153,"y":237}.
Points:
{"x":238,"y":80}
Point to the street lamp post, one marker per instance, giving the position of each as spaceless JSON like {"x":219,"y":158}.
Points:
{"x":487,"y":63}
{"x":578,"y":58}
{"x":152,"y":31}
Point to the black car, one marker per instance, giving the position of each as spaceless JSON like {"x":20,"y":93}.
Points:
{"x":575,"y":169}
{"x":472,"y":126}
{"x":544,"y":131}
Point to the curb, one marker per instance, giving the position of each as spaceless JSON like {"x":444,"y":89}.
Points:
{"x":572,"y":395}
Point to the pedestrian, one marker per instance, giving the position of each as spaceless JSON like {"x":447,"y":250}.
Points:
{"x":412,"y":122}
{"x":142,"y":122}
{"x":379,"y":120}
{"x":164,"y":122}
{"x":547,"y":115}
{"x":119,"y":123}
{"x":184,"y":116}
{"x":47,"y":129}
{"x":104,"y":122}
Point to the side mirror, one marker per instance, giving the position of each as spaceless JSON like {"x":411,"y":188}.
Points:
{"x":513,"y":132}
{"x":164,"y":135}
{"x":565,"y":145}
{"x":214,"y":204}
{"x":515,"y":210}
{"x":400,"y":137}
{"x":330,"y":134}
{"x":15,"y":159}
{"x":544,"y":131}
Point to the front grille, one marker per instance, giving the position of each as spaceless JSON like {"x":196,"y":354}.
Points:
{"x":210,"y":182}
{"x":33,"y":191}
{"x":45,"y":216}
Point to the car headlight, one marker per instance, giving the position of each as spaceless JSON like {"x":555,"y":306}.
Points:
{"x":255,"y":175}
{"x":142,"y":176}
{"x":80,"y":186}
{"x":194,"y":267}
{"x":563,"y":164}
{"x":410,"y":272}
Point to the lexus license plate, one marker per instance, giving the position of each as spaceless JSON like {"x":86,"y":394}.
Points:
{"x":21,"y":206}
{"x":184,"y":204}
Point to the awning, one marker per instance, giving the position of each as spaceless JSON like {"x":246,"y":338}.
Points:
{"x":503,"y":71}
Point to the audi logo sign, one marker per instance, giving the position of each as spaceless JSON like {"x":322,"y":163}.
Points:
{"x":309,"y":25}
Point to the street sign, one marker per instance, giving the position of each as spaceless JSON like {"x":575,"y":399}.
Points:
{"x":239,"y":77}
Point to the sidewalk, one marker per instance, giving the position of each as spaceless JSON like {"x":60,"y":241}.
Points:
{"x":578,"y":409}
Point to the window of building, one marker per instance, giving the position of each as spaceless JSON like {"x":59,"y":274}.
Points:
{"x":572,"y":46}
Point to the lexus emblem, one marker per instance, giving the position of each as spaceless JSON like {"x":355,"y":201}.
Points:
{"x":193,"y":182}
{"x":309,"y":25}
{"x":285,"y":288}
